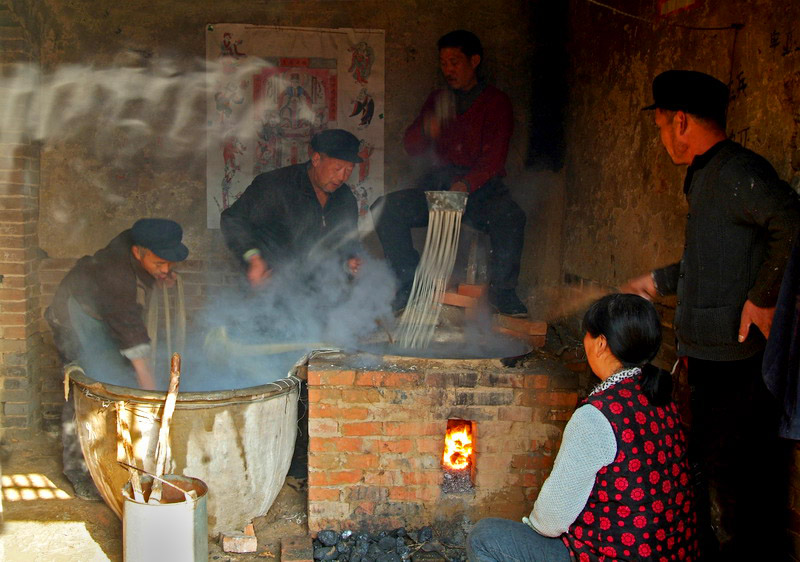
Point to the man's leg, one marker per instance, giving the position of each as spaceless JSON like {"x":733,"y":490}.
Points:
{"x":396,"y":214}
{"x":75,"y":468}
{"x":739,"y":462}
{"x":503,"y":540}
{"x":496,"y":213}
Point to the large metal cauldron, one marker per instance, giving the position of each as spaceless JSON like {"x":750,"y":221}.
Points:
{"x":239,"y":442}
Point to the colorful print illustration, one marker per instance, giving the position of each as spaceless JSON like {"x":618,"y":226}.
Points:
{"x":361,"y":61}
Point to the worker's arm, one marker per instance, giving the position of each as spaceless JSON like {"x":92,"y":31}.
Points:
{"x":144,"y":375}
{"x":588,"y":445}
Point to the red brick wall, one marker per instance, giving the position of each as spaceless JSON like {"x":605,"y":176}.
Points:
{"x":376,"y":439}
{"x":20,"y":330}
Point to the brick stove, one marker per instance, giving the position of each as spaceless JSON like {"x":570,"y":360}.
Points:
{"x":376,"y":437}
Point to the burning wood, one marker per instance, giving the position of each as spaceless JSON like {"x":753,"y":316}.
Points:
{"x":458,"y":447}
{"x":457,"y":459}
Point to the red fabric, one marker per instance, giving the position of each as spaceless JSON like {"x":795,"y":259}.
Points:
{"x":477,"y":139}
{"x":641,"y":506}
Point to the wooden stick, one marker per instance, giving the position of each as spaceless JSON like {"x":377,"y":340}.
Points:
{"x":124,"y":435}
{"x":166,"y":418}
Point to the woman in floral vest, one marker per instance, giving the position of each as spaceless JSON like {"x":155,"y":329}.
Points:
{"x":619,"y":488}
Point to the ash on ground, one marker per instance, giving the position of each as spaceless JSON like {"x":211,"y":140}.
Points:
{"x":389,"y":546}
{"x":456,"y":480}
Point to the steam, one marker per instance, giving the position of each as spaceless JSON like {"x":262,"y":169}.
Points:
{"x":120,"y":111}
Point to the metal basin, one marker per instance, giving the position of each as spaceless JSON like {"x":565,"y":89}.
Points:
{"x":239,"y":442}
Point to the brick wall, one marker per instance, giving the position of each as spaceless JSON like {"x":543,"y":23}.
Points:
{"x":377,"y":437}
{"x":20,"y":329}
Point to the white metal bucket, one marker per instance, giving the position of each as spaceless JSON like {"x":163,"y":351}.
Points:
{"x":175,"y":530}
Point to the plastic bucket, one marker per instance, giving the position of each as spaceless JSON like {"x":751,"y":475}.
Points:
{"x":175,"y":529}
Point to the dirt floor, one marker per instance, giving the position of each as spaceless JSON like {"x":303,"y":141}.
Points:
{"x":45,"y":522}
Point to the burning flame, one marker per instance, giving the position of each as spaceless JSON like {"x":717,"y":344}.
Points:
{"x":457,"y":447}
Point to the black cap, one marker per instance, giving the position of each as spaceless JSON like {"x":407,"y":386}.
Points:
{"x":690,"y":91}
{"x":160,"y":236}
{"x":337,"y":143}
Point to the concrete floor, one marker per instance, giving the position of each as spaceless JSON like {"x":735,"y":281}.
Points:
{"x":45,"y":522}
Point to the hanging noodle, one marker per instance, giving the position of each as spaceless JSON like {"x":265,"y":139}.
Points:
{"x":430,"y":280}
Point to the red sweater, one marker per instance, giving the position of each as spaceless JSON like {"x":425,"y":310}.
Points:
{"x":477,"y":139}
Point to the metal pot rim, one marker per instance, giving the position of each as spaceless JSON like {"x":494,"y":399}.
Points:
{"x":112,"y":392}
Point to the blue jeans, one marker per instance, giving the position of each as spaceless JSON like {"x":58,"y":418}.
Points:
{"x":503,"y":540}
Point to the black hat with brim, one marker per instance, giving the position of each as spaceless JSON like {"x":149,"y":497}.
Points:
{"x":690,"y":91}
{"x":162,"y":237}
{"x":337,"y":143}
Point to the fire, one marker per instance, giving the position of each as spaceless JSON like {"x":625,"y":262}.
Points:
{"x":457,"y":447}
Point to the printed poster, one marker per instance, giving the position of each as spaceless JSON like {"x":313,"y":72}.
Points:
{"x":271,"y":89}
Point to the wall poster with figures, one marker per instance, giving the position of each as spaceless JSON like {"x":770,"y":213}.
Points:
{"x":270,"y":89}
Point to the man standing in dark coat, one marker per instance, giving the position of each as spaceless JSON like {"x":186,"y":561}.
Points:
{"x":97,"y":317}
{"x":740,"y":228}
{"x":294,"y":212}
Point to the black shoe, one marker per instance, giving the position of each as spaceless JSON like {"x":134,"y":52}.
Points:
{"x":506,"y":301}
{"x":83,"y":485}
{"x":401,"y":299}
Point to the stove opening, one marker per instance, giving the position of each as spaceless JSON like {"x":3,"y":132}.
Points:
{"x":458,"y":459}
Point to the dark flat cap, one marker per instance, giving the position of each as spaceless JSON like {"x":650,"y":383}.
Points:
{"x":160,"y":236}
{"x":337,"y":143}
{"x":690,"y":91}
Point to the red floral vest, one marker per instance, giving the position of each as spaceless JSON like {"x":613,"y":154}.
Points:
{"x":641,"y":506}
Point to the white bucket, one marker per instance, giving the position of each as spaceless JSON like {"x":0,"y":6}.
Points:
{"x":175,"y":530}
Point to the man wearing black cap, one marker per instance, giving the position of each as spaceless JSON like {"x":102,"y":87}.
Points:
{"x":741,"y":224}
{"x":464,"y":133}
{"x":97,"y":316}
{"x":287,"y":213}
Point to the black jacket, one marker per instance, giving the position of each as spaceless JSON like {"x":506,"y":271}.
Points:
{"x":279,"y":215}
{"x":741,"y":224}
{"x":106,"y":285}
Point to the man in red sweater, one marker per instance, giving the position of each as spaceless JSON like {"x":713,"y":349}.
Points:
{"x":461,"y":135}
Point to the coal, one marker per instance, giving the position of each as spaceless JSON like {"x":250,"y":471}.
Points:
{"x":425,"y":534}
{"x":397,"y":545}
{"x":328,"y":537}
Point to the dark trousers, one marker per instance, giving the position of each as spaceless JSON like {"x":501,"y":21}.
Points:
{"x":490,"y":209}
{"x":85,"y":340}
{"x":739,"y":463}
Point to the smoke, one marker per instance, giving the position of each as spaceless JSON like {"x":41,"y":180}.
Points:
{"x":118,"y":112}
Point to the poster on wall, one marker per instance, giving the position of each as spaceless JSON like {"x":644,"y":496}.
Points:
{"x":271,"y":89}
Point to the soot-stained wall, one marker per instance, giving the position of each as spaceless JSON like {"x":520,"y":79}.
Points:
{"x":625,"y":208}
{"x":90,"y":194}
{"x":97,"y":173}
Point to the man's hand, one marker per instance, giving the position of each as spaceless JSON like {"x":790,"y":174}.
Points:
{"x":644,"y":286}
{"x":752,"y":314}
{"x":258,"y":272}
{"x":144,"y":376}
{"x":354,"y":265}
{"x":459,"y":186}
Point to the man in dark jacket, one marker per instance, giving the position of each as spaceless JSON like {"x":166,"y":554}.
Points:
{"x":97,"y":317}
{"x":741,"y":224}
{"x":465,"y":132}
{"x":293,"y":212}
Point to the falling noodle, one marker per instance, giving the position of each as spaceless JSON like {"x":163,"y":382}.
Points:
{"x":430,"y":280}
